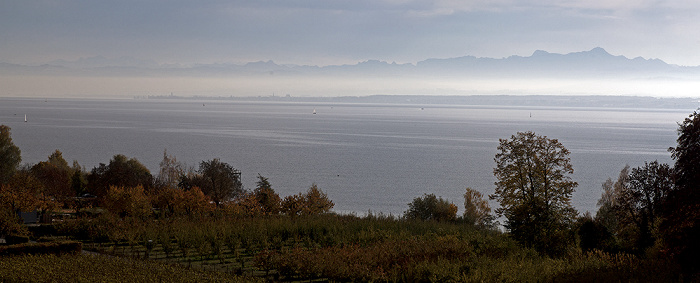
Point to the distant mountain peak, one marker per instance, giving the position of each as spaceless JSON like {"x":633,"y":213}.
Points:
{"x":599,"y":51}
{"x":539,"y":53}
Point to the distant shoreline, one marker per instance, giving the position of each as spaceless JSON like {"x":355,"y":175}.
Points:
{"x":597,"y":101}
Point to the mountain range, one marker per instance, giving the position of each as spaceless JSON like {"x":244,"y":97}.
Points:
{"x":594,"y":63}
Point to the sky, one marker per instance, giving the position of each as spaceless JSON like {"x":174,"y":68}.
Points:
{"x":333,"y":32}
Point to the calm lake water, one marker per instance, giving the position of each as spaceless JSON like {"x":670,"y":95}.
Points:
{"x":366,"y":157}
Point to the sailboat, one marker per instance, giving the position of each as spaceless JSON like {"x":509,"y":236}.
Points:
{"x":314,"y":111}
{"x":25,"y":118}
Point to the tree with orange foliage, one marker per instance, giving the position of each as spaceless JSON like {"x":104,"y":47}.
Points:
{"x":193,"y":202}
{"x":314,"y":201}
{"x":127,"y":202}
{"x":476,"y":209}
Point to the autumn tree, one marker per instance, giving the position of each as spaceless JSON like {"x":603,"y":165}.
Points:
{"x":476,"y":209}
{"x":313,"y":202}
{"x":24,"y":192}
{"x":430,"y":207}
{"x":534,"y":190}
{"x":10,"y":155}
{"x":317,"y":201}
{"x":680,"y":227}
{"x":55,"y":175}
{"x":127,"y":202}
{"x":120,"y":172}
{"x":218,"y":180}
{"x":267,"y":200}
{"x":176,"y":202}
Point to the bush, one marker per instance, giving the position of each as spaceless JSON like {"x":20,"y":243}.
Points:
{"x":65,"y":247}
{"x":430,"y":207}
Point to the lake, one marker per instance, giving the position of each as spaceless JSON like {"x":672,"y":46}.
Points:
{"x":366,"y":157}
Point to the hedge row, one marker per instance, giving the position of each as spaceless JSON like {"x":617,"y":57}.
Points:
{"x":64,"y":247}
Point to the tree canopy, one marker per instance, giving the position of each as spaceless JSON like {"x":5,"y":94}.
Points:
{"x":476,"y":209}
{"x":218,"y":180}
{"x":121,"y":172}
{"x":534,"y":189}
{"x":55,"y":175}
{"x":430,"y":207}
{"x":10,"y":155}
{"x":680,"y":227}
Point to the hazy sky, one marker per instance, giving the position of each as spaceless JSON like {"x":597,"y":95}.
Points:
{"x":329,"y":32}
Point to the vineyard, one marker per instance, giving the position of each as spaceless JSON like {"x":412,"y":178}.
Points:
{"x":341,"y":248}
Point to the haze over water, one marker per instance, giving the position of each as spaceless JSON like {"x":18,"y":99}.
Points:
{"x":366,"y":157}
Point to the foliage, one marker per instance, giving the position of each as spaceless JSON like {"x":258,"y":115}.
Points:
{"x":55,"y":176}
{"x":127,"y":202}
{"x":680,"y":227}
{"x":120,"y":172}
{"x":430,"y":207}
{"x":193,"y":202}
{"x":594,"y":235}
{"x":534,"y":190}
{"x":607,"y":214}
{"x":78,"y":182}
{"x":218,"y":180}
{"x":313,"y":202}
{"x":638,"y":205}
{"x":25,"y":193}
{"x":10,"y":155}
{"x":266,"y":198}
{"x":476,"y":209}
{"x":176,"y":202}
{"x":10,"y":222}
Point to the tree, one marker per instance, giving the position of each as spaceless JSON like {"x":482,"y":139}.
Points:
{"x":476,"y":209}
{"x":120,"y":172}
{"x":128,"y":202}
{"x":268,"y":201}
{"x":317,"y":202}
{"x":55,"y":176}
{"x":313,"y":202}
{"x":534,"y":190}
{"x":638,"y":204}
{"x":604,"y":231}
{"x":10,"y":155}
{"x":219,"y":180}
{"x":680,"y":227}
{"x":430,"y":207}
{"x":170,"y":171}
{"x":23,"y":192}
{"x":607,"y":214}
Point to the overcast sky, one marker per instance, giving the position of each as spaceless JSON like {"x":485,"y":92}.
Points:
{"x":329,"y":32}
